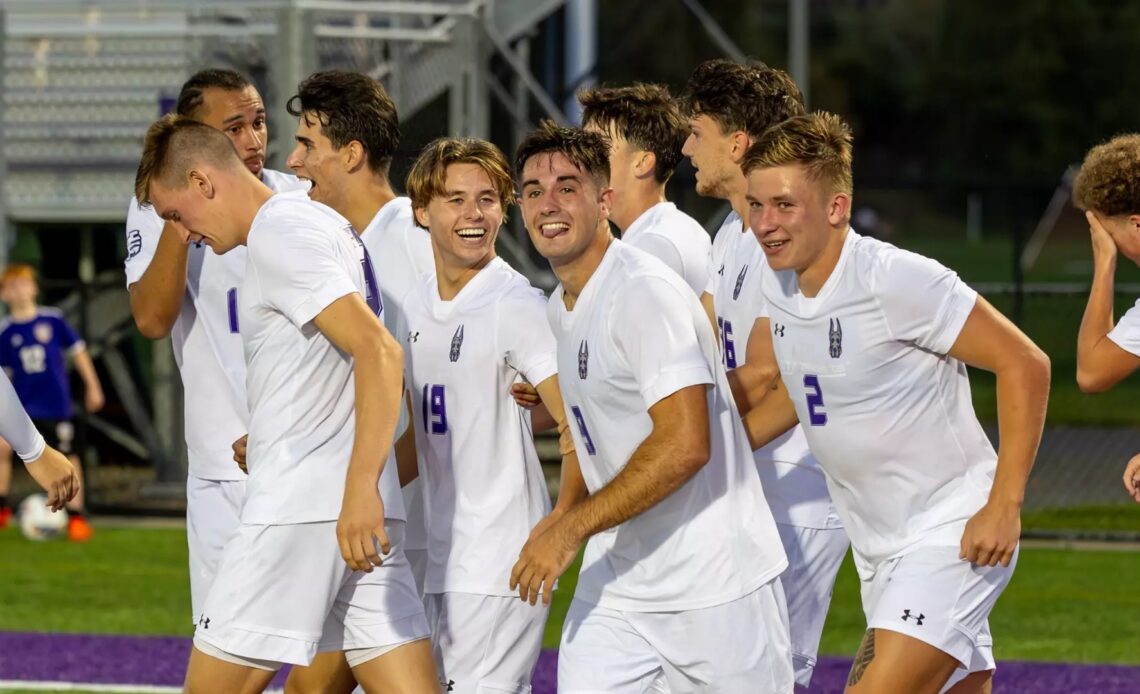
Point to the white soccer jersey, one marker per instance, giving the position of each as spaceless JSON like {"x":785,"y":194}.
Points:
{"x":483,"y":487}
{"x":675,"y":239}
{"x":1126,"y":334}
{"x":635,"y":336}
{"x":793,"y":482}
{"x":886,"y":412}
{"x":401,"y":253}
{"x":206,"y":338}
{"x":302,"y":256}
{"x":726,"y":235}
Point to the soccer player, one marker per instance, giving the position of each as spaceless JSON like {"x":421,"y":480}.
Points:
{"x":679,"y":587}
{"x":729,"y":106}
{"x":35,"y":343}
{"x":1107,"y":188}
{"x":50,"y":468}
{"x":181,"y":289}
{"x":316,"y":564}
{"x":646,"y":133}
{"x":872,"y":344}
{"x":475,"y":326}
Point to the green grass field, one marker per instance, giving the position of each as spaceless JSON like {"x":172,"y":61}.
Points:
{"x":1063,"y":605}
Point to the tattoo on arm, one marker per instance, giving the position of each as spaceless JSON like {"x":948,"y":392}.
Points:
{"x":863,"y":658}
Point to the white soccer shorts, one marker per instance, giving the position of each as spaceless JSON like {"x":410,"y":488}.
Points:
{"x":706,"y":651}
{"x":283,"y":593}
{"x":485,"y":644}
{"x":931,"y":595}
{"x":213,"y":513}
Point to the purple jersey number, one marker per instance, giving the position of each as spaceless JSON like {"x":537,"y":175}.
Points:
{"x":231,"y":302}
{"x":582,"y":430}
{"x":727,"y":342}
{"x":815,"y":401}
{"x":434,"y":409}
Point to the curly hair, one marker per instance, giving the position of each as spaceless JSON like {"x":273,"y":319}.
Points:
{"x":746,"y":97}
{"x":351,"y":106}
{"x":821,"y":142}
{"x":644,"y":115}
{"x":428,"y":176}
{"x":588,"y":151}
{"x":1109,"y":179}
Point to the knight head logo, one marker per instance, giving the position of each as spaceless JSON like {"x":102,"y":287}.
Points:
{"x":739,"y":283}
{"x":583,"y":360}
{"x":456,"y":344}
{"x":835,"y":339}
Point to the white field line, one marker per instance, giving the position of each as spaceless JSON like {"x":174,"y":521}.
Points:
{"x":85,"y":687}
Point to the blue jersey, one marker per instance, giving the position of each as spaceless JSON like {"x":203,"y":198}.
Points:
{"x":34,"y":355}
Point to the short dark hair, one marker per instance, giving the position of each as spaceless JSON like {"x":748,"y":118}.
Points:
{"x":748,"y":97}
{"x":173,"y":145}
{"x":351,"y":106}
{"x":589,"y":151}
{"x":645,"y":115}
{"x":1108,"y":181}
{"x":192,"y":96}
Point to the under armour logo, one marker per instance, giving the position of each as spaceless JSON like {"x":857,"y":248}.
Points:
{"x":779,"y":330}
{"x":739,"y":282}
{"x":908,"y":616}
{"x":835,"y":339}
{"x":204,"y":622}
{"x":450,"y":685}
{"x":412,"y":337}
{"x":721,"y":270}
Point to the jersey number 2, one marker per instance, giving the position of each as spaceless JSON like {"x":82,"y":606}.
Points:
{"x":815,"y":401}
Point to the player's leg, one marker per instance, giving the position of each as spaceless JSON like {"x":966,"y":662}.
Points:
{"x":213,"y":512}
{"x":329,"y":673}
{"x":702,"y":649}
{"x":974,"y":683}
{"x":211,"y":670}
{"x":814,"y":557}
{"x":927,"y":619}
{"x":601,"y":651}
{"x":5,"y":483}
{"x":485,"y":642}
{"x":406,"y":669}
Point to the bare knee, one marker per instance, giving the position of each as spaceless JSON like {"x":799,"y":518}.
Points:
{"x":974,"y":683}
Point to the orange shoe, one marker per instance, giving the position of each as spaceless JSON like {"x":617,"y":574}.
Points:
{"x":5,"y":516}
{"x":79,"y":530}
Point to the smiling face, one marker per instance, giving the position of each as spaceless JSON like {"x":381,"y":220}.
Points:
{"x":792,"y":216}
{"x":563,"y":207}
{"x":316,"y":160}
{"x":464,"y":219}
{"x":240,"y":114}
{"x":711,"y":152}
{"x":198,"y":211}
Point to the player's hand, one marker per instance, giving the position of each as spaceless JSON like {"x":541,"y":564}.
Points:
{"x":56,"y":475}
{"x":240,"y":447}
{"x":93,"y":399}
{"x":1104,"y":248}
{"x":525,"y":395}
{"x":360,"y":527}
{"x":992,"y":535}
{"x":543,"y":559}
{"x":1132,"y":478}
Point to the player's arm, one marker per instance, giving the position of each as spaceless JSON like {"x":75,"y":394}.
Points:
{"x":572,"y":488}
{"x":48,"y":467}
{"x":709,"y":304}
{"x":378,"y":374}
{"x":1101,"y":363}
{"x":92,"y":388}
{"x":756,"y":377}
{"x":156,"y":297}
{"x":406,"y":463}
{"x":988,"y":340}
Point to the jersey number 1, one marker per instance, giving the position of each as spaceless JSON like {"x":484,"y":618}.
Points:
{"x":434,"y":409}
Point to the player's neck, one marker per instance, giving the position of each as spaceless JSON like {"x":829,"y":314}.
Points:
{"x":22,"y":312}
{"x":812,"y":278}
{"x":574,"y":274}
{"x":451,"y":279}
{"x":365,"y":199}
{"x":635,"y":203}
{"x":259,"y":194}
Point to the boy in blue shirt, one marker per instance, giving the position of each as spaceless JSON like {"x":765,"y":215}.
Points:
{"x":35,"y":343}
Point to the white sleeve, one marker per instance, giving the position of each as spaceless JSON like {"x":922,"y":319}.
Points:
{"x":923,"y":301}
{"x":526,"y":339}
{"x":299,"y":271}
{"x":16,"y":427}
{"x":654,"y":329}
{"x":1126,"y":334}
{"x":144,"y":228}
{"x":419,"y":250}
{"x":663,"y":249}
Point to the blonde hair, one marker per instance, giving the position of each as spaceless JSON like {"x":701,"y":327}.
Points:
{"x":820,"y":142}
{"x":1109,"y":179}
{"x":173,"y":145}
{"x":18,"y":271}
{"x":428,"y":176}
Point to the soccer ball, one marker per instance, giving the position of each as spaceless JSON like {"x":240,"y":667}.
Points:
{"x":38,"y":522}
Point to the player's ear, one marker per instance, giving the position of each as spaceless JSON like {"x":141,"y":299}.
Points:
{"x":839,"y":210}
{"x":201,"y":182}
{"x":645,"y":164}
{"x":606,"y":200}
{"x":354,"y":155}
{"x":422,"y":217}
{"x":740,"y":144}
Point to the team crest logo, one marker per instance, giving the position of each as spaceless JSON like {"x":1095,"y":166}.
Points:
{"x":835,"y":339}
{"x":17,"y":340}
{"x":739,"y":282}
{"x":456,"y":344}
{"x":42,"y":332}
{"x":583,"y":360}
